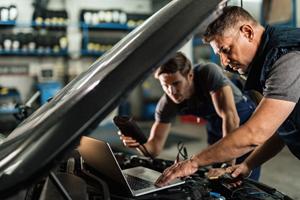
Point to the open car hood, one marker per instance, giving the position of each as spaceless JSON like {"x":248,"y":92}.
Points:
{"x":80,"y":106}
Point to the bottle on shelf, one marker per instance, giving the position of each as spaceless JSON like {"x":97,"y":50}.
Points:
{"x":50,"y":19}
{"x":7,"y":42}
{"x":4,"y":14}
{"x":95,"y":17}
{"x":15,"y":45}
{"x":13,"y":13}
{"x":31,"y":39}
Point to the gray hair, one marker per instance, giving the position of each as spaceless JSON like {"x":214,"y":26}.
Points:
{"x":230,"y":17}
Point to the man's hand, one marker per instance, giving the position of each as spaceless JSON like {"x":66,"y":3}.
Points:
{"x":240,"y":170}
{"x":128,"y":141}
{"x":179,"y":169}
{"x":215,"y":173}
{"x":236,"y":173}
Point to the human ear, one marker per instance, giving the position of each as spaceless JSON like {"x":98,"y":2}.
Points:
{"x":247,"y":31}
{"x":191,"y":75}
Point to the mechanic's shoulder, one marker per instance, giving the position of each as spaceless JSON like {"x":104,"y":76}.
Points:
{"x":209,"y":67}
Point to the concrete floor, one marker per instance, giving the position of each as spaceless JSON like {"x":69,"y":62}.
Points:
{"x":282,"y":172}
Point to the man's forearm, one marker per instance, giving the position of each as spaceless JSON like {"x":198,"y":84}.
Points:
{"x":158,"y":136}
{"x":230,"y":122}
{"x":255,"y":132}
{"x":232,"y":146}
{"x":265,"y":152}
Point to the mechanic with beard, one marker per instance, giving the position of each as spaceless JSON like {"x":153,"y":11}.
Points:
{"x":203,"y":91}
{"x":270,"y":57}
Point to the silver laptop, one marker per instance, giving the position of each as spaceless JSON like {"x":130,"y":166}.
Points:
{"x":138,"y":180}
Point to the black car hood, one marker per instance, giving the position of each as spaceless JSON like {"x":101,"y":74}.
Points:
{"x":42,"y":138}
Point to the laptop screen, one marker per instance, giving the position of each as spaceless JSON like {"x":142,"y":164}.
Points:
{"x":100,"y":157}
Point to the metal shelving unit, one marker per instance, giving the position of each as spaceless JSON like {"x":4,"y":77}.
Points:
{"x":86,"y":28}
{"x":32,"y":53}
{"x":36,"y":52}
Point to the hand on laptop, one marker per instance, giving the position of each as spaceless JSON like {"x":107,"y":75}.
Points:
{"x":177,"y":170}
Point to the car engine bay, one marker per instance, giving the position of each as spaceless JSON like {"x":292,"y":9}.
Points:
{"x":73,"y":179}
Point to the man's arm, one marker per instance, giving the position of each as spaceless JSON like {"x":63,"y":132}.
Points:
{"x":267,"y":118}
{"x":265,"y":152}
{"x":223,"y":101}
{"x":158,"y":136}
{"x":259,"y":156}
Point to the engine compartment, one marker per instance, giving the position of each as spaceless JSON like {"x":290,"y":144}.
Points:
{"x":73,"y":179}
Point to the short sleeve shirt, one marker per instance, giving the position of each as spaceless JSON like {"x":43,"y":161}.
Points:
{"x":283,"y":80}
{"x":207,"y":78}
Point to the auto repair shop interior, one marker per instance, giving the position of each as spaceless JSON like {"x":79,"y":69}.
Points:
{"x":46,"y":44}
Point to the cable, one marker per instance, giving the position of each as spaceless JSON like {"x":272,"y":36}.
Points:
{"x":180,"y":148}
{"x":144,"y":150}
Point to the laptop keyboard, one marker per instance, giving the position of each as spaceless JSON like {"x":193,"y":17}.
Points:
{"x":137,"y":183}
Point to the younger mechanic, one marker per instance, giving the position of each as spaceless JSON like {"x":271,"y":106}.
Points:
{"x":203,"y":91}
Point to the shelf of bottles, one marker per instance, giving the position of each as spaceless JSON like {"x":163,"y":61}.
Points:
{"x":112,"y":20}
{"x":96,"y":46}
{"x":8,"y":15}
{"x":56,"y":20}
{"x":46,"y":37}
{"x":34,"y":44}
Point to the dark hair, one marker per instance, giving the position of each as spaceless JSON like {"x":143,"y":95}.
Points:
{"x":230,"y":17}
{"x":178,"y":63}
